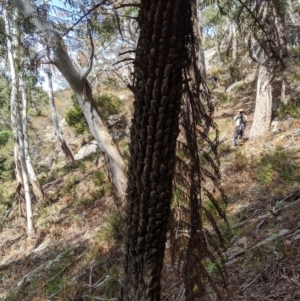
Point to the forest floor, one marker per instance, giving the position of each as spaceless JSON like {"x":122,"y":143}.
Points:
{"x":76,"y":252}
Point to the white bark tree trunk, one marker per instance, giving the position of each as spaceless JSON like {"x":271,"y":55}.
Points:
{"x":234,"y":41}
{"x":283,"y":97}
{"x":282,"y":43}
{"x":17,"y":124}
{"x":263,"y":101}
{"x":83,"y":94}
{"x":58,"y":132}
{"x":201,"y":57}
{"x":37,"y":190}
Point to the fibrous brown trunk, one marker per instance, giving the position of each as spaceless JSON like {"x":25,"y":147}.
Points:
{"x":155,"y":126}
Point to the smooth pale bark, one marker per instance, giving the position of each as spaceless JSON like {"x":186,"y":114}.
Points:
{"x":291,"y":12}
{"x":267,"y":65}
{"x":282,"y":42}
{"x":234,"y":41}
{"x":58,"y":132}
{"x":37,"y":190}
{"x":17,"y":124}
{"x":263,"y":101}
{"x":283,"y":97}
{"x":201,"y":57}
{"x":82,"y":91}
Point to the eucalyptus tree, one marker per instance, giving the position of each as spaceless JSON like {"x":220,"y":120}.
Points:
{"x":220,"y":25}
{"x":269,"y":40}
{"x":21,"y":68}
{"x":200,"y":37}
{"x":262,"y":27}
{"x":58,"y":133}
{"x":115,"y":40}
{"x":59,"y":56}
{"x":16,"y":122}
{"x":37,"y":190}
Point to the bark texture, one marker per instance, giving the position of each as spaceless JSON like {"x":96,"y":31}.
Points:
{"x":263,"y":101}
{"x":271,"y":59}
{"x":155,"y":126}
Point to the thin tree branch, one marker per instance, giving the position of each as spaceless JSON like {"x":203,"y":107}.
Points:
{"x":91,"y":56}
{"x":254,"y":17}
{"x":119,"y":24}
{"x":129,"y":51}
{"x":128,"y":5}
{"x":81,"y":18}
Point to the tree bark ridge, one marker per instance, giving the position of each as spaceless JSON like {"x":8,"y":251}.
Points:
{"x":158,"y":86}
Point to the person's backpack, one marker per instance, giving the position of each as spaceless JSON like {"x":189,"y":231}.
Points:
{"x":242,"y":120}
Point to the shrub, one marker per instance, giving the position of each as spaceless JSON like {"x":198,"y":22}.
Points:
{"x":5,"y":200}
{"x":106,"y":104}
{"x":112,"y":228}
{"x":224,"y":149}
{"x":223,"y":97}
{"x":280,"y":165}
{"x":292,"y":109}
{"x":103,"y":186}
{"x":71,"y":183}
{"x":76,"y":120}
{"x":99,"y":178}
{"x":6,"y":160}
{"x":295,"y":77}
{"x":240,"y":161}
{"x":4,"y":137}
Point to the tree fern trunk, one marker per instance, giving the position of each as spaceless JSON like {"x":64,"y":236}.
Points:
{"x":155,"y":126}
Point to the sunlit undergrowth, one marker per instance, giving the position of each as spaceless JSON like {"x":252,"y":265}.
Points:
{"x":292,"y":109}
{"x":280,"y":166}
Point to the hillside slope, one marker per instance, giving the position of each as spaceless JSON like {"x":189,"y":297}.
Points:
{"x":76,"y":252}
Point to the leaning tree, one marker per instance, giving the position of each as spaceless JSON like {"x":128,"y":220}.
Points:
{"x":53,"y":40}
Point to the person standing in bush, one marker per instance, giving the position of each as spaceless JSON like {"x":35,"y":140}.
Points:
{"x":240,"y":125}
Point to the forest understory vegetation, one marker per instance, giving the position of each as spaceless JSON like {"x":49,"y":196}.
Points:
{"x":76,"y":251}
